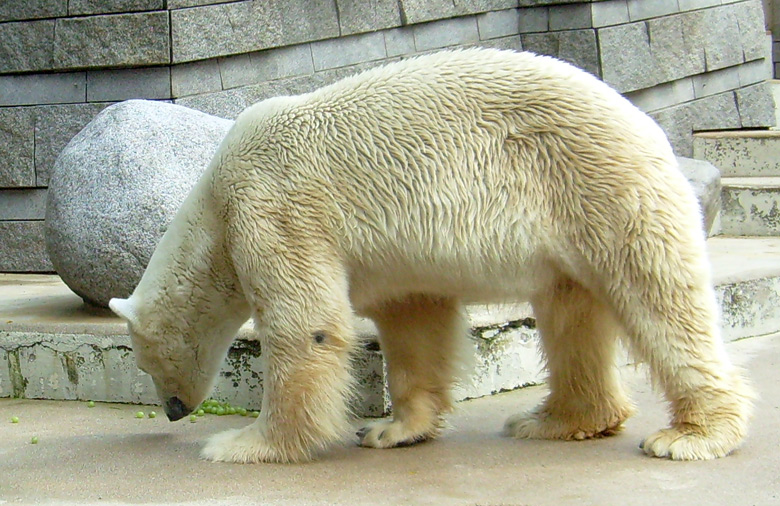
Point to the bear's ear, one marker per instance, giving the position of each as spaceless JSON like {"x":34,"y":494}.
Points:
{"x":123,"y":308}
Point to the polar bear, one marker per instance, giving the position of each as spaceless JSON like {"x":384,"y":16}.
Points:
{"x":407,"y":191}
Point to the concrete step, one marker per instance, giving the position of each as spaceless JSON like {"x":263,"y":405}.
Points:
{"x":740,"y":153}
{"x":54,"y":347}
{"x":750,"y":206}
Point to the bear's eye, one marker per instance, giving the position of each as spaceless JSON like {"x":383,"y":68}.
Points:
{"x":319,"y":337}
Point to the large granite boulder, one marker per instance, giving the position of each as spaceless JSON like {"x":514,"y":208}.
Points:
{"x":705,"y":180}
{"x":117,"y":185}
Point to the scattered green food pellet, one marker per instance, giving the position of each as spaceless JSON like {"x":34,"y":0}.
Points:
{"x":255,"y":414}
{"x":152,"y":414}
{"x":193,"y":418}
{"x":34,"y":440}
{"x":220,"y":411}
{"x":242,"y":411}
{"x":140,"y":414}
{"x":200,"y":412}
{"x":14,"y":419}
{"x":91,"y":404}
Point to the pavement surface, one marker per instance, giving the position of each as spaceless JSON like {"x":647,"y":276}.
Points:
{"x":104,"y":455}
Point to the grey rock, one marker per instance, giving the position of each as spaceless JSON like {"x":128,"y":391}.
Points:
{"x":112,"y":40}
{"x":26,"y":45}
{"x":22,"y":248}
{"x":55,"y":126}
{"x":705,"y":180}
{"x":117,"y":185}
{"x":17,"y":146}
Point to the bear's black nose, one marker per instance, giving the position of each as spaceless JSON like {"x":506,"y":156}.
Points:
{"x":175,"y":409}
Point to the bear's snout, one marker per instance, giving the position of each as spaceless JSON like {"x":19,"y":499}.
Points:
{"x":175,"y":409}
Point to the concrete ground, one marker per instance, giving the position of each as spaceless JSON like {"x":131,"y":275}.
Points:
{"x":104,"y":455}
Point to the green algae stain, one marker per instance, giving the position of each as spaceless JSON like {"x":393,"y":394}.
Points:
{"x":18,"y":381}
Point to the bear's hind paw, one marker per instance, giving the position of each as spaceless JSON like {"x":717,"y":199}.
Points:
{"x":677,"y":444}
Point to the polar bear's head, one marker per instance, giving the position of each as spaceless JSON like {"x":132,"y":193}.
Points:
{"x":182,"y":356}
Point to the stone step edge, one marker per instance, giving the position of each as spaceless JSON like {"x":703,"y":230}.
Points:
{"x":737,"y":134}
{"x":751,"y":182}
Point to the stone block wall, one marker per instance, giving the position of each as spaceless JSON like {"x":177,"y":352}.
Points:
{"x":692,"y":64}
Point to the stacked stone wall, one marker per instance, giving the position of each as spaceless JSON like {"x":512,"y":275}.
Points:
{"x":692,"y":64}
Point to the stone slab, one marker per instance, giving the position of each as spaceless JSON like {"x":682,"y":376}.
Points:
{"x":270,"y":65}
{"x":610,"y":13}
{"x":450,"y":32}
{"x":756,"y":106}
{"x":35,"y":89}
{"x":26,"y":204}
{"x":26,"y":46}
{"x":13,"y":10}
{"x":198,"y":33}
{"x":23,"y":247}
{"x":642,"y":9}
{"x":498,"y":24}
{"x":345,"y":51}
{"x":89,"y":7}
{"x":627,"y":61}
{"x":577,"y":47}
{"x":127,"y":84}
{"x":571,"y":17}
{"x":195,"y":78}
{"x":359,"y":16}
{"x":740,"y":154}
{"x":17,"y":146}
{"x":419,"y":11}
{"x":399,"y":42}
{"x":112,"y":40}
{"x":751,"y":206}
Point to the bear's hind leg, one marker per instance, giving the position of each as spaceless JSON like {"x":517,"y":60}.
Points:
{"x":673,"y":328}
{"x":579,"y":341}
{"x":422,"y":339}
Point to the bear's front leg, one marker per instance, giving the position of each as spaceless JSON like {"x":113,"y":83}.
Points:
{"x":307,"y":384}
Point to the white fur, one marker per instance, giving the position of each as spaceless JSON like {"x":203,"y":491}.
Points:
{"x":408,"y":190}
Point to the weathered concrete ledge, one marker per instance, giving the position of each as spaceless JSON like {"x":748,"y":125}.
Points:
{"x":54,"y":347}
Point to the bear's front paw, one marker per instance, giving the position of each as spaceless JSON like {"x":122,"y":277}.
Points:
{"x":392,"y":434}
{"x":678,"y":444}
{"x":542,"y":425}
{"x":248,"y":446}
